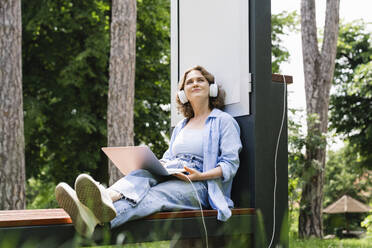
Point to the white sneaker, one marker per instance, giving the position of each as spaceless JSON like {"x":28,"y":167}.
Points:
{"x":83,"y":219}
{"x":94,"y":196}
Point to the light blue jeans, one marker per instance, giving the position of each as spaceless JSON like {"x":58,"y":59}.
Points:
{"x":144,"y":193}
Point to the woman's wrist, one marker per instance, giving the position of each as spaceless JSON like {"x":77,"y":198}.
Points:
{"x":202,"y":177}
{"x":211,"y":174}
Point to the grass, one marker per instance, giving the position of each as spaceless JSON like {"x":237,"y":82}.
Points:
{"x":330,"y":243}
{"x":159,"y":244}
{"x":293,"y":243}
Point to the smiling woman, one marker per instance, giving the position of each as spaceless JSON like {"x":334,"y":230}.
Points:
{"x":195,"y":78}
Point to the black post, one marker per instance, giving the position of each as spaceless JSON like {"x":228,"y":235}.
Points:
{"x":259,"y":136}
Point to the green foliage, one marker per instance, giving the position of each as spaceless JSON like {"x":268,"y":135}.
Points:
{"x":300,"y":168}
{"x":296,"y":158}
{"x":65,"y":60}
{"x":152,"y":93}
{"x":367,"y":224}
{"x":65,"y":75}
{"x":344,"y":175}
{"x":296,"y":161}
{"x":293,"y":222}
{"x":40,"y":194}
{"x":353,"y":49}
{"x":281,"y":24}
{"x":351,"y":103}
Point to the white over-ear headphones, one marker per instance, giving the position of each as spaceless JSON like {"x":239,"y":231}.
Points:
{"x":213,"y":92}
{"x":213,"y":89}
{"x":182,"y":96}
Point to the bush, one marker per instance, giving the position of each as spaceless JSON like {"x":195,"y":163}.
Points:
{"x":367,"y":223}
{"x":40,"y":194}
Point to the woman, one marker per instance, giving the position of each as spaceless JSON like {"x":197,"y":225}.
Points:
{"x":206,"y":143}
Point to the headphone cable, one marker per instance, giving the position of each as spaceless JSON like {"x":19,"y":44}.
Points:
{"x":201,"y":211}
{"x":275,"y":159}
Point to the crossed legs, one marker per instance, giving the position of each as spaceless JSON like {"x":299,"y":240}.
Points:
{"x":136,"y":195}
{"x":88,"y":205}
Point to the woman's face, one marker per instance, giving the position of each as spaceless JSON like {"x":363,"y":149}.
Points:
{"x":196,"y":86}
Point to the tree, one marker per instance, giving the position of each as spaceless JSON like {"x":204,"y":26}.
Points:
{"x":12,"y":159}
{"x":318,"y":70}
{"x":122,"y":74}
{"x":351,"y":101}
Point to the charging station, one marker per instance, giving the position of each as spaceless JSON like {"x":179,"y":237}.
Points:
{"x":232,"y":40}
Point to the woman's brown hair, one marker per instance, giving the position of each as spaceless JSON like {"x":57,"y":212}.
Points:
{"x":214,"y":102}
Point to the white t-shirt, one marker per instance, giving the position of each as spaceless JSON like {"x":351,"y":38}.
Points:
{"x":189,"y":141}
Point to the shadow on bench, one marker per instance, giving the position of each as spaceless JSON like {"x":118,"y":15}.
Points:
{"x":53,"y":228}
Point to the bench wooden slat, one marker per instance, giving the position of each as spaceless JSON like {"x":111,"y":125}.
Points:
{"x":33,"y":217}
{"x":40,"y":217}
{"x":197,"y":213}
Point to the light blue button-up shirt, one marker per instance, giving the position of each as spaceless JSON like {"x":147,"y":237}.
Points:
{"x":221,"y":147}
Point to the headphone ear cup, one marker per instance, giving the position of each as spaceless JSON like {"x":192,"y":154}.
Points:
{"x":182,"y":96}
{"x":213,"y":90}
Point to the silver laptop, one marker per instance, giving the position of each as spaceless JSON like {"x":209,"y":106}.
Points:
{"x":130,"y":158}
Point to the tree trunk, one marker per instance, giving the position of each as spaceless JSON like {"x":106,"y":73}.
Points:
{"x":12,"y":160}
{"x":318,"y":70}
{"x":122,"y":75}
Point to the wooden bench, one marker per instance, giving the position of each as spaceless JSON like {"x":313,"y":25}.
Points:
{"x":252,"y":187}
{"x":54,"y":227}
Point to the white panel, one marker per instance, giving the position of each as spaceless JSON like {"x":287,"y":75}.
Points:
{"x":214,"y":34}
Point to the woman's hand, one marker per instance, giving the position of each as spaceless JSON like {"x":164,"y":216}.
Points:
{"x":193,"y":175}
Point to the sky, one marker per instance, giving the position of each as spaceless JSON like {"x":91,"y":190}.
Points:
{"x":349,"y":10}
